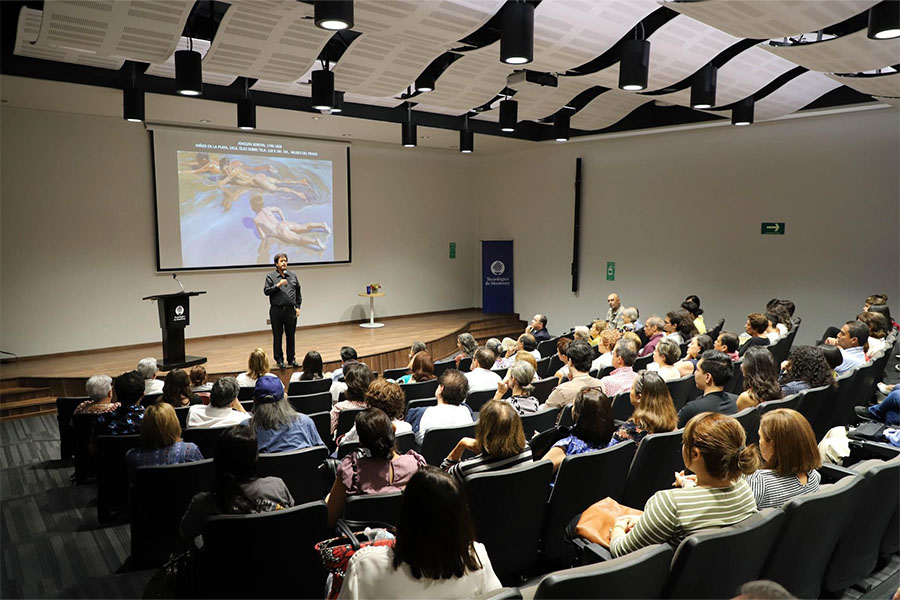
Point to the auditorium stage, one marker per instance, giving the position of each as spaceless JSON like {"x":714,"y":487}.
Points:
{"x":45,"y":377}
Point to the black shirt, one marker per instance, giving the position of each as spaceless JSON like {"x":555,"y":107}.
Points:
{"x":720,"y":402}
{"x":753,"y":341}
{"x":286,"y":296}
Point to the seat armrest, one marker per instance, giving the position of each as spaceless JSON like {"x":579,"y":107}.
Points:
{"x":833,"y":473}
{"x":595,"y":553}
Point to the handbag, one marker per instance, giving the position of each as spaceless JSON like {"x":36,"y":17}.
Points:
{"x":597,"y":521}
{"x":871,"y":430}
{"x":336,"y":552}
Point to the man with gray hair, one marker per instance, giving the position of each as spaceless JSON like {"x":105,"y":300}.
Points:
{"x":623,"y":374}
{"x":147,"y":367}
{"x":653,"y":329}
{"x":224,"y":409}
{"x":100,"y":390}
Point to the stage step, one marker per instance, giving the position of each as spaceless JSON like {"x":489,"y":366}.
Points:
{"x":14,"y":393}
{"x":29,"y":407}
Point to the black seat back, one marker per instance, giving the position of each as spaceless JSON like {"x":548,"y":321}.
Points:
{"x":159,"y":497}
{"x":437,"y":443}
{"x":298,"y":470}
{"x":680,"y":389}
{"x":380,"y":508}
{"x":423,"y":389}
{"x":346,"y":420}
{"x":395,"y":373}
{"x":245,"y":393}
{"x":476,"y":400}
{"x":781,"y":349}
{"x":566,"y":418}
{"x":322,"y":421}
{"x":547,"y":347}
{"x":622,"y":407}
{"x":749,"y":420}
{"x":657,"y":458}
{"x":443,"y":365}
{"x":543,"y":366}
{"x":182,"y":413}
{"x":465,"y":364}
{"x":554,"y":365}
{"x":405,"y":442}
{"x":786,"y":402}
{"x":715,"y":331}
{"x":866,"y":393}
{"x":206,"y":438}
{"x":85,"y":463}
{"x":541,"y":420}
{"x":112,"y":474}
{"x":582,"y":480}
{"x":605,"y":371}
{"x":735,"y":385}
{"x":543,"y":387}
{"x":508,"y":509}
{"x":421,"y":402}
{"x":309,"y":386}
{"x":641,"y":362}
{"x":838,"y":407}
{"x":812,"y":401}
{"x":311,"y":403}
{"x":65,"y":408}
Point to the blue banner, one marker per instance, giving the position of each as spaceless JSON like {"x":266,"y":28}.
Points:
{"x":497,"y":276}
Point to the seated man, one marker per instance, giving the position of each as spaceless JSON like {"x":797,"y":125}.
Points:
{"x":453,"y":387}
{"x":578,"y":359}
{"x":851,"y":339}
{"x":223,"y":409}
{"x":653,"y":329}
{"x":348,"y":355}
{"x":728,"y":343}
{"x":756,"y":328}
{"x":887,"y":411}
{"x":623,"y":374}
{"x":481,"y":378}
{"x":148,"y":368}
{"x":713,"y":372}
{"x":278,"y":427}
{"x":538,"y":328}
{"x":525,"y":342}
{"x":126,"y":419}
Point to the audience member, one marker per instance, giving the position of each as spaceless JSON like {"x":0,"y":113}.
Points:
{"x":453,"y":387}
{"x":654,"y":411}
{"x":593,"y":429}
{"x":177,"y":389}
{"x":784,"y":325}
{"x":773,"y":333}
{"x":578,"y":359}
{"x":466,"y":345}
{"x":756,"y":328}
{"x":714,"y":449}
{"x":481,"y":378}
{"x":528,"y":357}
{"x":496,"y":346}
{"x":623,"y":374}
{"x":763,"y":589}
{"x":380,"y":470}
{"x":851,"y":340}
{"x":630,"y":319}
{"x":148,"y":368}
{"x":161,"y":440}
{"x":518,"y":381}
{"x":790,"y":457}
{"x":199,"y":384}
{"x":348,"y":356}
{"x":665,"y":356}
{"x":608,"y":339}
{"x":884,"y":311}
{"x":421,"y":369}
{"x":833,"y":356}
{"x":887,"y":411}
{"x":388,"y":397}
{"x":236,"y":488}
{"x":278,"y":427}
{"x":581,"y":333}
{"x":653,"y":329}
{"x":499,"y":443}
{"x":538,"y":328}
{"x":760,"y":378}
{"x":692,"y":305}
{"x":100,"y":390}
{"x":614,"y":314}
{"x":435,"y":555}
{"x":878,"y":330}
{"x":633,"y":337}
{"x":713,"y":372}
{"x":416,"y":348}
{"x":597,"y":327}
{"x":697,"y":346}
{"x":312,"y":368}
{"x":257,"y":366}
{"x":805,"y":368}
{"x":357,"y":377}
{"x":679,"y":326}
{"x":126,"y":419}
{"x":223,"y":410}
{"x":728,"y":343}
{"x":562,"y":344}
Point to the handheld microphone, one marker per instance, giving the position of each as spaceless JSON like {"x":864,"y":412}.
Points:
{"x":175,"y":277}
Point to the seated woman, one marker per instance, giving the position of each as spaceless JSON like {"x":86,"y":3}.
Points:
{"x":805,"y":368}
{"x":177,"y":389}
{"x":312,"y":368}
{"x":420,"y":369}
{"x":692,"y":305}
{"x":597,"y":327}
{"x":236,"y":488}
{"x":161,"y":440}
{"x":665,"y":355}
{"x":629,"y":318}
{"x":790,"y":459}
{"x":100,"y":390}
{"x":714,"y":448}
{"x":278,"y":427}
{"x":499,"y":443}
{"x":593,"y":429}
{"x":257,"y":366}
{"x":389,"y":397}
{"x":878,"y":330}
{"x":760,"y":378}
{"x":608,"y":339}
{"x":466,"y":346}
{"x":518,"y":379}
{"x":382,"y":471}
{"x":357,"y":376}
{"x":435,"y":555}
{"x":528,"y":357}
{"x":697,"y":346}
{"x":199,"y":385}
{"x":562,"y":374}
{"x":654,"y":411}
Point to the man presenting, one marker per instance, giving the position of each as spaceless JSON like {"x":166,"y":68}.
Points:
{"x":283,"y":289}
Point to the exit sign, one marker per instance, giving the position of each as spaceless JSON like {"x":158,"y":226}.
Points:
{"x":772,"y":229}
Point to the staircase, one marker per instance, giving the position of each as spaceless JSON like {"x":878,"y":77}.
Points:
{"x":18,"y":400}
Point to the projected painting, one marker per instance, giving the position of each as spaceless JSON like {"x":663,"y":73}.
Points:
{"x":240,"y":209}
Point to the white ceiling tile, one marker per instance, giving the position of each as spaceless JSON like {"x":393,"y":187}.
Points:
{"x":846,"y":54}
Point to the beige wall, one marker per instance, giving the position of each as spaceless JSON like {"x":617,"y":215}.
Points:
{"x":680,"y":213}
{"x":79,"y":242}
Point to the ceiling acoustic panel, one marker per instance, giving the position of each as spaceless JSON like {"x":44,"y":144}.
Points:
{"x":875,"y":85}
{"x":767,"y":19}
{"x":134,"y":29}
{"x":895,"y":102}
{"x":266,"y":39}
{"x":167,"y":69}
{"x":607,"y":109}
{"x":794,"y":95}
{"x":850,"y":53}
{"x":470,"y":81}
{"x":537,"y":102}
{"x":28,"y":29}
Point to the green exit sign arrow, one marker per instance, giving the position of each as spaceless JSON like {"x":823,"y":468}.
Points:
{"x":772,"y":229}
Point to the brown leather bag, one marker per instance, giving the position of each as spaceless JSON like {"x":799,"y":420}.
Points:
{"x":597,"y":521}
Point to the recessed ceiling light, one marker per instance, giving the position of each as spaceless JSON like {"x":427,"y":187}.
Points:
{"x":205,"y":121}
{"x":316,"y":118}
{"x":424,"y":137}
{"x":345,"y":135}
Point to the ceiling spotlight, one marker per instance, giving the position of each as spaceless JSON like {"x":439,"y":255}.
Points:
{"x":425,"y":83}
{"x":884,"y":20}
{"x":322,"y":89}
{"x":634,"y":67}
{"x":517,"y":33}
{"x":561,"y":126}
{"x":337,"y":104}
{"x":132,"y":98}
{"x":742,"y":113}
{"x":246,"y":109}
{"x":703,"y":87}
{"x":188,"y":72}
{"x":409,"y":129}
{"x":334,"y":14}
{"x":466,"y":138}
{"x":509,"y":110}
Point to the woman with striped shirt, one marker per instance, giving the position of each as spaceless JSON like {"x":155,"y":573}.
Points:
{"x":790,"y":459}
{"x":713,"y":447}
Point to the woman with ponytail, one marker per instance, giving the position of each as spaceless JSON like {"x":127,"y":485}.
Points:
{"x":714,"y":448}
{"x":376,"y":467}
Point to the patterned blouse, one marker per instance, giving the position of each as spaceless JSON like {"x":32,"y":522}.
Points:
{"x":573,"y":445}
{"x":89,"y":407}
{"x":630,"y":430}
{"x":177,"y":453}
{"x":125,"y":420}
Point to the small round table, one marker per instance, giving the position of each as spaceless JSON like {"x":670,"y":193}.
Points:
{"x":371,"y":324}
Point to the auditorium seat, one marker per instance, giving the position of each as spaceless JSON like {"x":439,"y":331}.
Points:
{"x":715,"y":331}
{"x":641,"y":362}
{"x":421,"y":402}
{"x":438,"y":442}
{"x":508,"y":508}
{"x":656,"y":460}
{"x":543,"y":365}
{"x":465,"y":364}
{"x":501,"y":373}
{"x":245,"y":393}
{"x":622,"y":407}
{"x":781,"y":349}
{"x":182,"y":413}
{"x":322,"y":421}
{"x":346,"y":448}
{"x":247,"y":404}
{"x":680,"y":389}
{"x":442,"y":365}
{"x":149,"y":399}
{"x":405,"y":442}
{"x":346,"y":420}
{"x":605,"y":371}
{"x":309,"y":386}
{"x":206,"y":438}
{"x":735,"y":385}
{"x":112,"y":474}
{"x":555,"y":364}
{"x":395,"y":373}
{"x":541,"y":420}
{"x":812,"y":402}
{"x":543,"y":388}
{"x":159,"y":497}
{"x":749,"y":420}
{"x":582,"y":480}
{"x":265,"y":555}
{"x":786,"y":402}
{"x":373,"y":508}
{"x":566,"y":419}
{"x":299,"y":471}
{"x":423,"y":389}
{"x":85,"y":462}
{"x":65,"y":409}
{"x":311,"y":403}
{"x":872,"y":375}
{"x":547,"y":347}
{"x":476,"y":400}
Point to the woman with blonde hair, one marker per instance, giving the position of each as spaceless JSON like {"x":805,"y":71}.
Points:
{"x":161,"y":440}
{"x":527,"y":357}
{"x":654,"y":411}
{"x":257,"y":366}
{"x":499,"y":443}
{"x":608,"y":339}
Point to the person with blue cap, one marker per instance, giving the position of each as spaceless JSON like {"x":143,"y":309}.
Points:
{"x":279,"y":428}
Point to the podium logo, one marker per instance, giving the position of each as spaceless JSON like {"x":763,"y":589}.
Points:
{"x":497,"y":267}
{"x":179,"y":310}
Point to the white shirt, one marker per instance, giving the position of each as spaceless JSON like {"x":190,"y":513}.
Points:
{"x":202,"y":415}
{"x":602,"y":361}
{"x":876,"y":345}
{"x":668,"y":373}
{"x":674,"y":336}
{"x":336,"y":388}
{"x":482,"y":380}
{"x":399,"y":427}
{"x":773,"y":336}
{"x":371,"y":574}
{"x":245,"y":380}
{"x":153,"y":386}
{"x":782,"y":329}
{"x":442,"y":415}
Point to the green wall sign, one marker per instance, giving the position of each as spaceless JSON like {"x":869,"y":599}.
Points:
{"x":452,"y":249}
{"x":610,"y":271}
{"x":772,"y":229}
